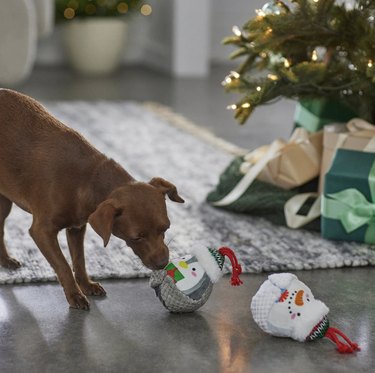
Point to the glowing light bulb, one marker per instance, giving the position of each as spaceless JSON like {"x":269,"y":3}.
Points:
{"x":260,"y":13}
{"x":236,"y":31}
{"x":232,"y":107}
{"x":314,"y":55}
{"x":146,"y":9}
{"x":246,"y":105}
{"x":122,"y":8}
{"x":227,"y":80}
{"x":69,"y":13}
{"x":272,"y":77}
{"x":259,"y":88}
{"x":369,"y":63}
{"x":286,"y":63}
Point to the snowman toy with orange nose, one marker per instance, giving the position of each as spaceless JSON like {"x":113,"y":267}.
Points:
{"x":285,"y":307}
{"x":186,"y":283}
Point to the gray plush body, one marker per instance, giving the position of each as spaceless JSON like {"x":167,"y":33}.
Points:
{"x":172,"y":298}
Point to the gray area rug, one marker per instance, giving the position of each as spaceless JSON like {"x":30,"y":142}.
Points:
{"x":152,"y":141}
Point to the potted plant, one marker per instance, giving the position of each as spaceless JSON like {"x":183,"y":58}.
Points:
{"x":94,"y":32}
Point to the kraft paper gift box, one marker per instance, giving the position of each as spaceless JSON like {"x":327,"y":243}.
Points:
{"x":355,"y":135}
{"x":348,"y":203}
{"x":292,"y":163}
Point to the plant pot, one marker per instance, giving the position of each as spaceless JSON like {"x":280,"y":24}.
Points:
{"x":95,"y":46}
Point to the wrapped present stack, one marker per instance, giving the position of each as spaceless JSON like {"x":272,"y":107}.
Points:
{"x":322,"y":178}
{"x":333,"y":78}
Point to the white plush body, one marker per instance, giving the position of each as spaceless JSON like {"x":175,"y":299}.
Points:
{"x":286,"y":307}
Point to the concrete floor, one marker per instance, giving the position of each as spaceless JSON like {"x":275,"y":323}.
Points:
{"x":129,"y":330}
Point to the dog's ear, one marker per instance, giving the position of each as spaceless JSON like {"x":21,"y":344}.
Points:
{"x":167,"y":188}
{"x":102,"y":219}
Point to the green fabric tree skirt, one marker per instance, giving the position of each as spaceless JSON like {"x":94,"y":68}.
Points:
{"x":260,"y":199}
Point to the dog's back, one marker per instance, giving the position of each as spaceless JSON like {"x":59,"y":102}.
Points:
{"x":37,"y":151}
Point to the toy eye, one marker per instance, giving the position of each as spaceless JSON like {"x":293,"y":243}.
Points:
{"x":298,"y":314}
{"x":193,"y":269}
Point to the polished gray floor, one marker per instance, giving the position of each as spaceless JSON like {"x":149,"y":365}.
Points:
{"x":129,"y":330}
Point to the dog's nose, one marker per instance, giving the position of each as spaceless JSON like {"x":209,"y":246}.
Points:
{"x":161,"y":263}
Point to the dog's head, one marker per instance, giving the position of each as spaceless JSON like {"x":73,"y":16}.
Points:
{"x":137,"y":214}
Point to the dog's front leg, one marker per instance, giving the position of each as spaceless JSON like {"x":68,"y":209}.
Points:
{"x":46,"y":239}
{"x":75,"y":237}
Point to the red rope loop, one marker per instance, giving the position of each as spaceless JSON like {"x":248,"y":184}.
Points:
{"x":236,"y":267}
{"x":348,"y":348}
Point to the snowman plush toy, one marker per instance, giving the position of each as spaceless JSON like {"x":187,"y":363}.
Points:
{"x":185,"y":284}
{"x":286,"y":307}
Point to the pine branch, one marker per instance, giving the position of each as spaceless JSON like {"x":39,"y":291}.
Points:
{"x":307,"y":50}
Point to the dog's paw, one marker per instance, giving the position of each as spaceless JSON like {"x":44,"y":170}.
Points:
{"x":93,"y":288}
{"x":10,"y":263}
{"x":78,"y":301}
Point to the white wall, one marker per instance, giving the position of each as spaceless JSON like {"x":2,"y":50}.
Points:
{"x":226,"y":14}
{"x":157,"y":47}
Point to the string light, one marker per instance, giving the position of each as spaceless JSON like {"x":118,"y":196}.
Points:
{"x":146,"y":9}
{"x":234,"y":75}
{"x":246,"y":105}
{"x":268,"y":31}
{"x":286,"y":63}
{"x":272,"y":77}
{"x":369,"y":63}
{"x":122,"y":8}
{"x":260,"y":13}
{"x":226,"y":81}
{"x":236,"y":31}
{"x":259,"y":88}
{"x":314,"y":55}
{"x":232,"y":107}
{"x":69,"y":13}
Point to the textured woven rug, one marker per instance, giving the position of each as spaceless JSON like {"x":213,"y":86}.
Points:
{"x":149,"y":140}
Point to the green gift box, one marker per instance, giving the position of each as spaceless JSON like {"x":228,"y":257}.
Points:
{"x":314,"y":114}
{"x":348,"y":204}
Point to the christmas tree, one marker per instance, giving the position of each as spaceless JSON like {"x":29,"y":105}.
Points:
{"x":306,"y":49}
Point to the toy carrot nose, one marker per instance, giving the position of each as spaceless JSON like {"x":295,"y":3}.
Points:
{"x":183,"y":264}
{"x":299,"y":298}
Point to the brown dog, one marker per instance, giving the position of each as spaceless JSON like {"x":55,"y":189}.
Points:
{"x":52,"y":172}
